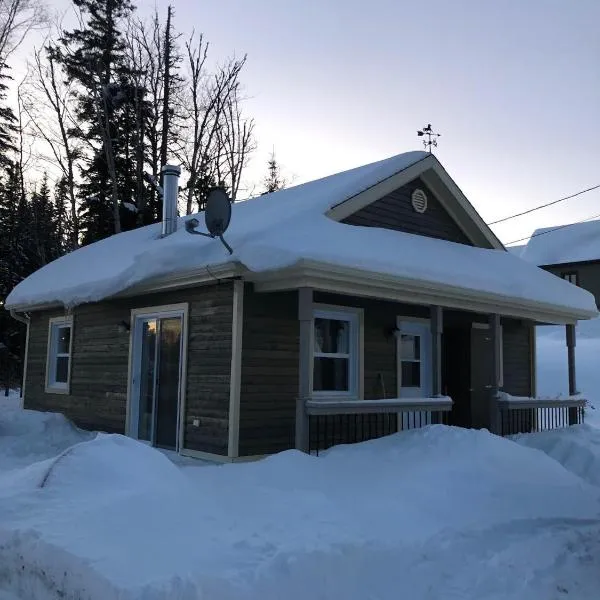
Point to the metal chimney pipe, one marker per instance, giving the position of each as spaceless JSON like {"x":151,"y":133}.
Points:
{"x":170,"y":186}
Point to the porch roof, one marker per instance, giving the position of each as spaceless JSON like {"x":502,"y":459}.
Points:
{"x":287,"y":232}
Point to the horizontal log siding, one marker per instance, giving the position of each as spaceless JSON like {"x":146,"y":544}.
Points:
{"x":270,"y":372}
{"x":518,"y":364}
{"x":395,"y":211}
{"x":99,"y":370}
{"x":209,"y":368}
{"x":99,"y":364}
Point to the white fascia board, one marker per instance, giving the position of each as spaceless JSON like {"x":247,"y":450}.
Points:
{"x":321,"y":276}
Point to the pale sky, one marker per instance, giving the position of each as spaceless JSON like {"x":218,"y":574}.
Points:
{"x":513,"y":86}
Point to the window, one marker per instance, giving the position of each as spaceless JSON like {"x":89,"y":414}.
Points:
{"x":410,"y":360}
{"x":335,"y":353}
{"x":58,"y":367}
{"x":571,"y":277}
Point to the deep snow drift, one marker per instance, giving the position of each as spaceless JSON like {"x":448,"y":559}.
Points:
{"x":435,"y":513}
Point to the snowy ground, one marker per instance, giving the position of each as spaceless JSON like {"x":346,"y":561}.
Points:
{"x":437,"y":513}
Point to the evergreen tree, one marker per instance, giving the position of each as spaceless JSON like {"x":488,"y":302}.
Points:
{"x":274,"y":180}
{"x":94,"y":56}
{"x":62,"y":218}
{"x":7,"y":121}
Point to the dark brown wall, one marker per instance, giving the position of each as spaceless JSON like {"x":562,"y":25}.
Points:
{"x":100,"y":358}
{"x":270,"y":375}
{"x":518,"y":364}
{"x":395,"y":211}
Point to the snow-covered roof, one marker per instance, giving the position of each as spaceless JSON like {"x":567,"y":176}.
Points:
{"x":282,"y":229}
{"x":576,"y":242}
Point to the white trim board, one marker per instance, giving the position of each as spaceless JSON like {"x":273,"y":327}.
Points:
{"x":237,"y":324}
{"x":325,"y":277}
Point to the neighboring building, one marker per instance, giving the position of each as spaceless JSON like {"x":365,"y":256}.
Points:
{"x":376,"y":291}
{"x":572,"y":252}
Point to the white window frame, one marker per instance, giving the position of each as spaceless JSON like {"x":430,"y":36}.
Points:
{"x":159,"y":312}
{"x":53,"y":386}
{"x":353,"y":316}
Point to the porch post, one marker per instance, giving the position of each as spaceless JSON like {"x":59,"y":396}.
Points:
{"x":437,"y":326}
{"x":305,"y":317}
{"x":570,"y":330}
{"x":496,"y":336}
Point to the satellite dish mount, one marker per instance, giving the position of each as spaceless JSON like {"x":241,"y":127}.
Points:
{"x":217,"y":216}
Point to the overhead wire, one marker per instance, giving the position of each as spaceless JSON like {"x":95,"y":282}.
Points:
{"x":526,"y":212}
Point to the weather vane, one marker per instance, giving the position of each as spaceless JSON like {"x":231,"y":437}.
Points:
{"x":431,"y":137}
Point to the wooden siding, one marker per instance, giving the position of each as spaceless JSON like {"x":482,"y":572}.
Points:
{"x":518,"y":363}
{"x":395,"y":211}
{"x":98,"y":392}
{"x":270,"y":372}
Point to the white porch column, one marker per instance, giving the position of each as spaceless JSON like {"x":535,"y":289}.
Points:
{"x":437,"y":327}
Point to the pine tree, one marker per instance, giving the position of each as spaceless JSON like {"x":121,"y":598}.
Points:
{"x":274,"y":180}
{"x":94,"y":56}
{"x":7,"y":121}
{"x":62,"y":218}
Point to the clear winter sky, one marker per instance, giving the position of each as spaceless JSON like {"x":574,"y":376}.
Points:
{"x":512,"y":85}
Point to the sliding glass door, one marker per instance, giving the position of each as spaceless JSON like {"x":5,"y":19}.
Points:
{"x":156,"y":378}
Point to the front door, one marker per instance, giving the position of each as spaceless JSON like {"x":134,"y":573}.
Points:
{"x":482,"y":376}
{"x":414,"y":368}
{"x":156,"y":379}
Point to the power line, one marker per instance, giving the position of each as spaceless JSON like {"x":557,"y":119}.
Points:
{"x":595,"y":187}
{"x":554,"y":229}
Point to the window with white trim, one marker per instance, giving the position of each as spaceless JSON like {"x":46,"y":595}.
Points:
{"x":58,"y":368}
{"x":335,"y":353}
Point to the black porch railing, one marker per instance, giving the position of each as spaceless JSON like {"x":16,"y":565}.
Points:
{"x":349,"y":422}
{"x":526,"y":415}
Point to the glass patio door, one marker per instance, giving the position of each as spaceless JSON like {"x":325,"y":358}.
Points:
{"x":156,"y":382}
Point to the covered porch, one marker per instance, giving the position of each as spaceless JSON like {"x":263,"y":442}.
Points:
{"x":453,"y":367}
{"x":376,"y":357}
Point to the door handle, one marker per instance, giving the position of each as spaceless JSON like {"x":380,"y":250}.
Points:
{"x":488,"y":387}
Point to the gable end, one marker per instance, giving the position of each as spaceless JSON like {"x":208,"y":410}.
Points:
{"x":395,"y":211}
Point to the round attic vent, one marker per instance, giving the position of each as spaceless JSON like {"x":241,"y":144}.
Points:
{"x":419,"y":200}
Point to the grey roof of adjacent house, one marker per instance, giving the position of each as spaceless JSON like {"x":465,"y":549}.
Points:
{"x":563,"y":244}
{"x":299,"y":230}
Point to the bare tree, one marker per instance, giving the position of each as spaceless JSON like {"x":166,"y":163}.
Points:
{"x":235,"y":137}
{"x":50,"y":101}
{"x":207,"y":99}
{"x":154,"y":57}
{"x":17,"y":19}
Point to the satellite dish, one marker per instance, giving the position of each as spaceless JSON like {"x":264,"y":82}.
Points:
{"x":217,"y":213}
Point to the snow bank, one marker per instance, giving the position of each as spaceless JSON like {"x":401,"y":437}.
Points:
{"x":279,"y":230}
{"x":576,"y":448}
{"x":440,"y":512}
{"x":28,"y":436}
{"x":566,"y":244}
